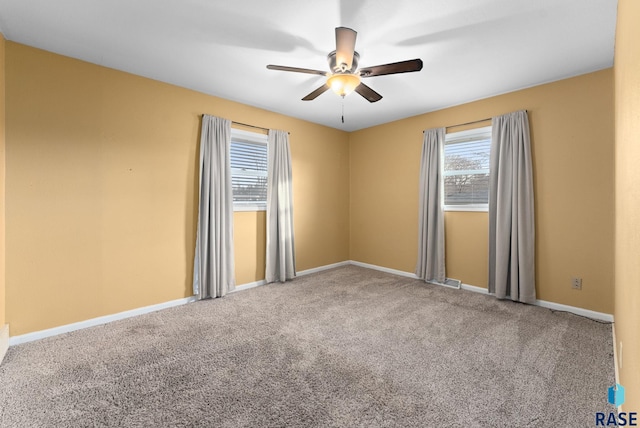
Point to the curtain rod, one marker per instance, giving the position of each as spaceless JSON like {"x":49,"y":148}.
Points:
{"x":250,"y":126}
{"x":253,"y":126}
{"x":469,"y":123}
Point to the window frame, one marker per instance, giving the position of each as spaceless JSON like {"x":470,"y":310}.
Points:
{"x":475,"y":134}
{"x":256,"y":138}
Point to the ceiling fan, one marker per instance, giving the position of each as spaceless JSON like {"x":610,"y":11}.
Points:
{"x":344,"y":75}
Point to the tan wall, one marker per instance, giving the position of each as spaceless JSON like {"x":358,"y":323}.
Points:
{"x":102,"y":171}
{"x":572,"y":144}
{"x":467,"y":242}
{"x":2,"y":183}
{"x":627,"y":246}
{"x":100,"y":189}
{"x":250,"y":240}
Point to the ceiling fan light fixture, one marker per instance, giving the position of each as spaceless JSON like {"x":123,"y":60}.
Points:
{"x":343,"y":84}
{"x":344,"y":75}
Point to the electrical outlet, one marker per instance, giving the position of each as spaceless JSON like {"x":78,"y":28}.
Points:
{"x":576,"y":283}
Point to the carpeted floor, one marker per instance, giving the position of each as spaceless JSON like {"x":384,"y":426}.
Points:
{"x":349,"y":347}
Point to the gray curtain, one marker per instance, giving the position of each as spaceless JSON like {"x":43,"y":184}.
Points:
{"x":511,"y":213}
{"x":430,"y":265}
{"x":213,"y":267}
{"x":281,"y":258}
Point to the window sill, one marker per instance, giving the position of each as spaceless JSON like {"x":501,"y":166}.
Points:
{"x":241,"y":208}
{"x":467,"y":208}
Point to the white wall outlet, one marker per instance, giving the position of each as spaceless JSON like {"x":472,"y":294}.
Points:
{"x":576,"y":283}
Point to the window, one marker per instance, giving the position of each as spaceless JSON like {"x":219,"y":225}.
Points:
{"x":249,"y":170}
{"x":466,"y":170}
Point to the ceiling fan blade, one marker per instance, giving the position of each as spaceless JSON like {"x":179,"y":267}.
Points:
{"x":393,"y":68}
{"x":368,"y":93}
{"x":313,"y":95}
{"x":296,"y":69}
{"x":345,"y":47}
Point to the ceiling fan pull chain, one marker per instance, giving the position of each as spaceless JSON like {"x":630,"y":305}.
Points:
{"x":343,"y":109}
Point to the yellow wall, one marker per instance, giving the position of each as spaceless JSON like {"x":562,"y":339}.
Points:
{"x":627,"y":192}
{"x":466,"y":247}
{"x":100,"y":190}
{"x":250,"y":240}
{"x":2,"y":180}
{"x":101,"y":179}
{"x":572,"y":133}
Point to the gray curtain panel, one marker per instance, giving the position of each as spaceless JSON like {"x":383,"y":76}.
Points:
{"x":213,"y":267}
{"x":431,"y":265}
{"x":281,"y":258}
{"x":511,"y":212}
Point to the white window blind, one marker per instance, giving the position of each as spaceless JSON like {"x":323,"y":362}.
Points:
{"x":249,"y":170}
{"x":466,"y":170}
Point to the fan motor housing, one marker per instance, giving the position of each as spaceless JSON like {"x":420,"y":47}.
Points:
{"x":341,"y":68}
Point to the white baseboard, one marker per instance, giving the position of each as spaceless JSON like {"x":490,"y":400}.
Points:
{"x":384,"y":269}
{"x":248,"y":285}
{"x":542,"y":303}
{"x":474,"y":288}
{"x":37,"y":335}
{"x":601,"y":316}
{"x":301,"y":273}
{"x":321,"y":268}
{"x":402,"y":273}
{"x":616,"y":363}
{"x":4,"y":341}
{"x":29,"y":337}
{"x":616,"y":366}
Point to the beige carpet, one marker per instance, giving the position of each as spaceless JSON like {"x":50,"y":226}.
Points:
{"x":349,"y":347}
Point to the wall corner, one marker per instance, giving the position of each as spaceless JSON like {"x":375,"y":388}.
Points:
{"x":4,"y":341}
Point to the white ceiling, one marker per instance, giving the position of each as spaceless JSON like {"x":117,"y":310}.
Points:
{"x":471,"y":49}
